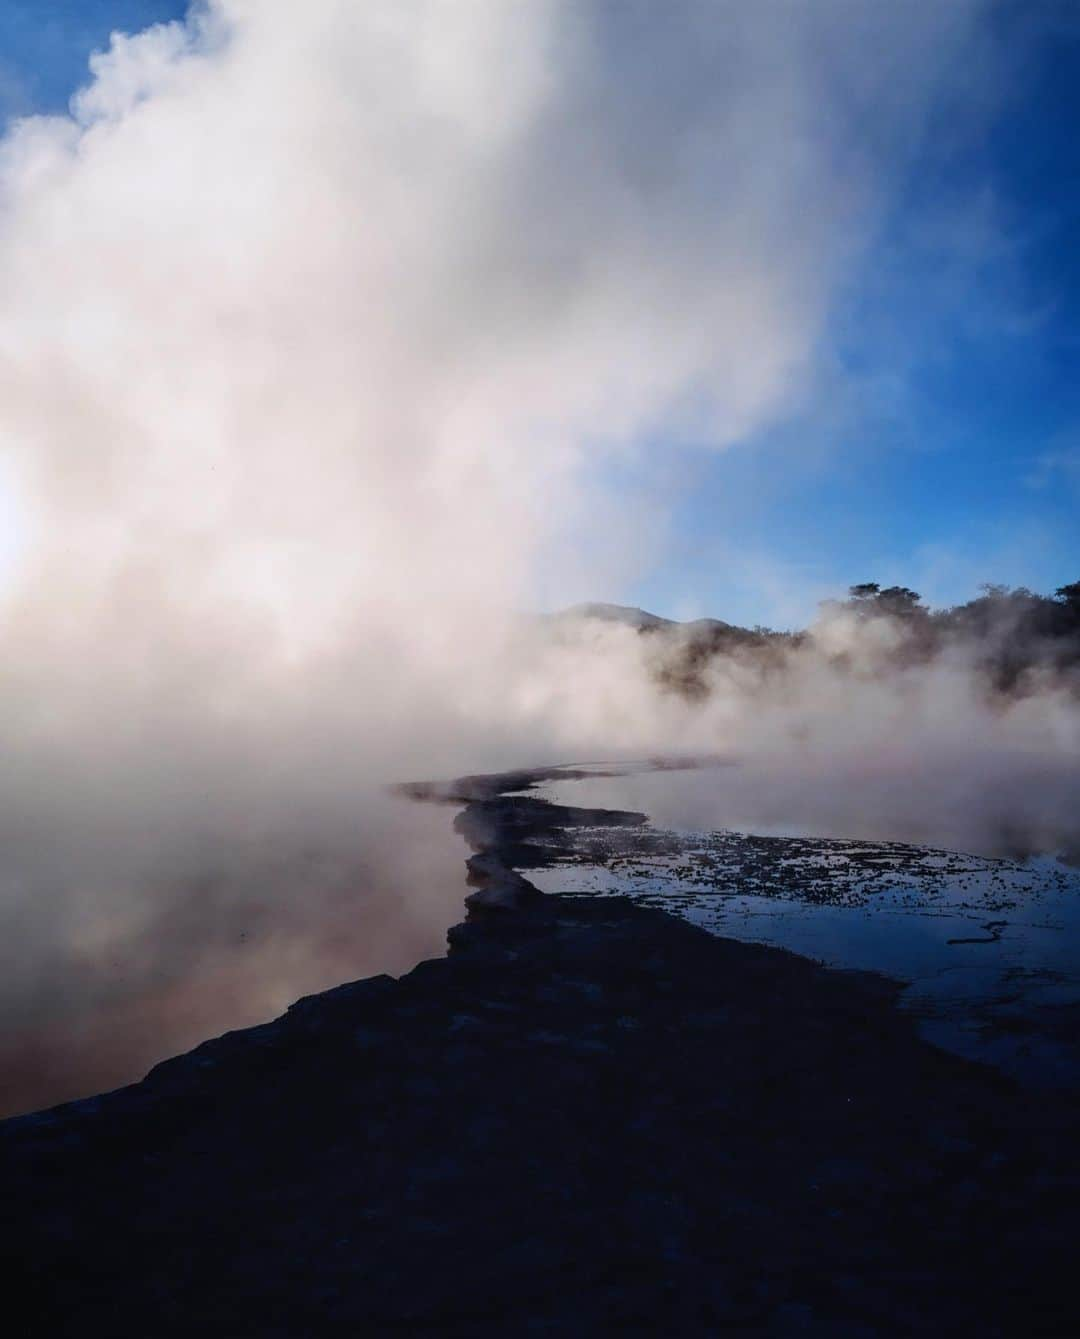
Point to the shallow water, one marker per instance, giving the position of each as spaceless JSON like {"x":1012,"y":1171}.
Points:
{"x":989,"y":947}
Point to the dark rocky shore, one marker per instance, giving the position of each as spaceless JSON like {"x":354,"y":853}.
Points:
{"x":589,"y":1118}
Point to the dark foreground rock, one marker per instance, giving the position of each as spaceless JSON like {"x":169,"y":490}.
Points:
{"x":589,"y":1119}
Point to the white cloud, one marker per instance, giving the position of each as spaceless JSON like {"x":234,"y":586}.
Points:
{"x":317,"y":320}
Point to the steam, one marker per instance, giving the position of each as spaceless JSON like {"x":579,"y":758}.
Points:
{"x":322,"y":328}
{"x":959,"y":729}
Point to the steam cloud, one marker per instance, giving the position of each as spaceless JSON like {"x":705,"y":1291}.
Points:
{"x":321,"y":326}
{"x":958,"y":729}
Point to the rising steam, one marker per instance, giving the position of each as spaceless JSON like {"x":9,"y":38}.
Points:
{"x":321,"y":328}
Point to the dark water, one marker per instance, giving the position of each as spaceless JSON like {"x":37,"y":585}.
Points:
{"x":989,"y":946}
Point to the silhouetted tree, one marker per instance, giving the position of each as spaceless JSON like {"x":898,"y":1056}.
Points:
{"x":868,"y":596}
{"x":1015,"y":639}
{"x":1068,"y":601}
{"x":900,"y":595}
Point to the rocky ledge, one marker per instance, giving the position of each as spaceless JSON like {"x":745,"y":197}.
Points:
{"x":589,"y":1118}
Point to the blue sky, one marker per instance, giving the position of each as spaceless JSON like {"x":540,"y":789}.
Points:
{"x":941,"y":447}
{"x":944,"y":448}
{"x":44,"y":45}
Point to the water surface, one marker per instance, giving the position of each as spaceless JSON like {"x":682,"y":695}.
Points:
{"x":988,"y":946}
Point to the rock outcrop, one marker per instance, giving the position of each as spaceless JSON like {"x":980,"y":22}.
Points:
{"x":589,"y":1118}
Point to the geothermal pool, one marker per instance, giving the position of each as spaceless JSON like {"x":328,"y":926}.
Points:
{"x":101,"y":984}
{"x":988,"y":946}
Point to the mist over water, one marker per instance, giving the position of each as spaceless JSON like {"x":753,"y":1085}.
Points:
{"x":321,"y":331}
{"x":863,"y":726}
{"x":109,"y":977}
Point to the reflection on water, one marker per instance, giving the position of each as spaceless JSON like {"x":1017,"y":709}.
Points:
{"x":990,"y":947}
{"x":98,"y":985}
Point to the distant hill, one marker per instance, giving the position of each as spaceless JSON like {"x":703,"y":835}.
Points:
{"x":627,"y":615}
{"x":680,"y":652}
{"x":1017,"y":641}
{"x":643,"y":621}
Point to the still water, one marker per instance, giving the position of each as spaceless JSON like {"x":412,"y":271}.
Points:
{"x":100,"y":982}
{"x":988,"y":946}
